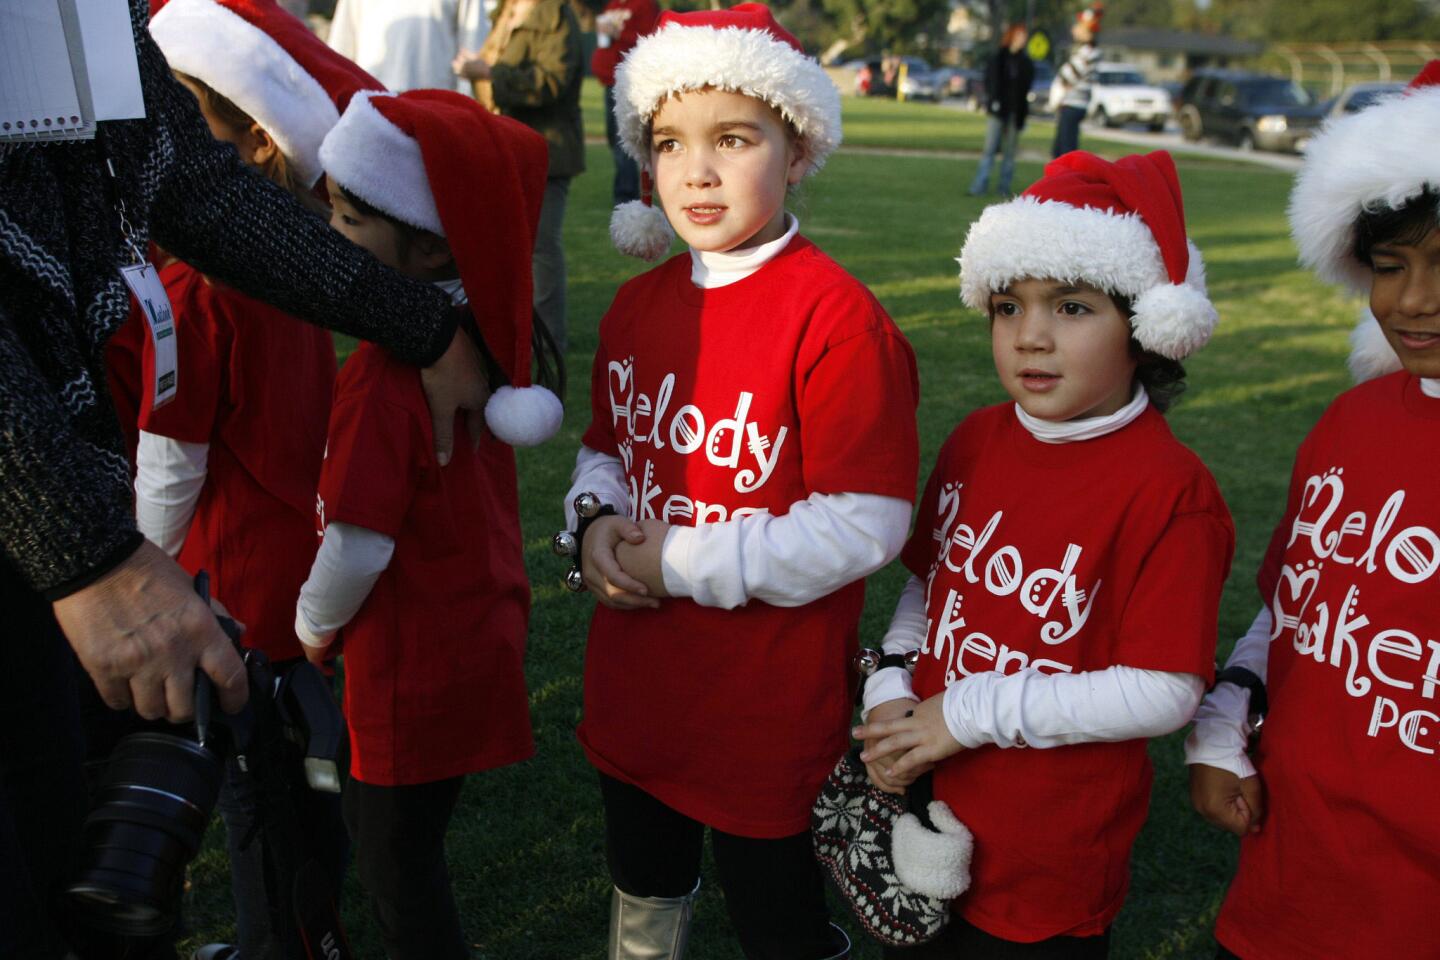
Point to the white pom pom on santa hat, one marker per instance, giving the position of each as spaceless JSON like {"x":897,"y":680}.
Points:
{"x":438,"y":160}
{"x":1371,"y":355}
{"x":640,"y":229}
{"x":1119,"y":227}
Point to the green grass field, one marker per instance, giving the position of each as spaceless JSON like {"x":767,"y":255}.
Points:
{"x":525,"y":845}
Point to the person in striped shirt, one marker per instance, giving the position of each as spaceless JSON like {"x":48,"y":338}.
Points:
{"x":1071,"y":90}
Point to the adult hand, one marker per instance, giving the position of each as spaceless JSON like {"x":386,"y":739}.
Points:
{"x":471,"y":66}
{"x":889,"y":710}
{"x":922,"y":739}
{"x":456,"y":382}
{"x":603,"y":574}
{"x":1226,"y":800}
{"x":141,"y":630}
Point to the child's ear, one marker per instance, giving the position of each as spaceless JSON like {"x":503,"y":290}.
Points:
{"x":261,"y":146}
{"x":799,"y":162}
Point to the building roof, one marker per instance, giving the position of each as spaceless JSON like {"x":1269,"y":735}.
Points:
{"x":1179,"y":41}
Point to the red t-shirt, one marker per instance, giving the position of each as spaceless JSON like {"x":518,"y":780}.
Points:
{"x":1066,"y":558}
{"x":434,"y":660}
{"x":254,"y":383}
{"x":1347,"y":862}
{"x":643,"y":14}
{"x":124,"y":360}
{"x":723,"y":402}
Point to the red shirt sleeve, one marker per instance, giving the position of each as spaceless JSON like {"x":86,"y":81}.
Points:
{"x":643,"y":14}
{"x":600,"y":435}
{"x":857,"y":404}
{"x":1171,"y":619}
{"x":203,"y":340}
{"x":374,"y":455}
{"x":920,"y":550}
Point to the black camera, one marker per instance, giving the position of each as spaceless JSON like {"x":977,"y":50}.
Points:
{"x":159,"y":789}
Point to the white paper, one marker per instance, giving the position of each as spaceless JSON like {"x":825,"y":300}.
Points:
{"x":36,"y":82}
{"x":110,"y":64}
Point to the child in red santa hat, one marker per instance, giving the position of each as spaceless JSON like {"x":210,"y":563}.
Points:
{"x":754,"y":432}
{"x":1340,"y":848}
{"x":420,"y":570}
{"x":1068,"y":560}
{"x":226,"y":470}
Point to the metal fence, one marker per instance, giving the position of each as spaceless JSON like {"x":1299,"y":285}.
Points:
{"x":1331,"y":67}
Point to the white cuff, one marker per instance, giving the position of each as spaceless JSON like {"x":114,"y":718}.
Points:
{"x":600,"y":474}
{"x":309,"y":635}
{"x":892,"y":683}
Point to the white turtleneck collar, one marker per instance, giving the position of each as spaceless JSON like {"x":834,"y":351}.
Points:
{"x":454,"y":288}
{"x":1068,"y":431}
{"x":1430,"y":387}
{"x":709,"y":270}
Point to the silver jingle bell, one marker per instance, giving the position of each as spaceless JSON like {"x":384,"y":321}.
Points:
{"x":563,"y":543}
{"x":867,"y":661}
{"x":587,"y":505}
{"x":575,"y":581}
{"x":911,"y":659}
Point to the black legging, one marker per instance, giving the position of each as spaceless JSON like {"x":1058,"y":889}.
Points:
{"x":962,"y":941}
{"x":773,"y":888}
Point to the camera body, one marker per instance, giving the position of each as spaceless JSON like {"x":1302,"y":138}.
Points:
{"x":160,"y":789}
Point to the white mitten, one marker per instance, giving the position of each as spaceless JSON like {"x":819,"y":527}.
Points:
{"x":933,"y":862}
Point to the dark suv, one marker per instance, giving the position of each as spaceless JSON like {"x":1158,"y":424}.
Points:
{"x":1249,"y":110}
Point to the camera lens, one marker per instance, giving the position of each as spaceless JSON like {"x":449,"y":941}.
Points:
{"x":155,"y":802}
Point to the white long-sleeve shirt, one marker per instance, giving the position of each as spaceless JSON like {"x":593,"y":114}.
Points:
{"x":821,"y":544}
{"x":169,"y":476}
{"x":1222,"y":723}
{"x":409,"y":44}
{"x":1036,"y":709}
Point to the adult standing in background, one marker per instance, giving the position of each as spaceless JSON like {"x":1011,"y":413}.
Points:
{"x":409,"y":44}
{"x":1074,"y":80}
{"x":617,"y":28}
{"x":529,"y":69}
{"x":1008,"y":77}
{"x":71,"y":559}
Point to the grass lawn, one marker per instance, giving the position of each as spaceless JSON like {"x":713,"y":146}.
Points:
{"x":525,"y":845}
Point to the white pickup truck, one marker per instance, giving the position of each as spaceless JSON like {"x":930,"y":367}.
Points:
{"x":1120,"y":95}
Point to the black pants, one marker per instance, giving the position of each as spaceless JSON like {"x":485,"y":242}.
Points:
{"x":42,"y":783}
{"x":773,"y":888}
{"x":1067,"y":130}
{"x":397,"y":837}
{"x":962,"y":941}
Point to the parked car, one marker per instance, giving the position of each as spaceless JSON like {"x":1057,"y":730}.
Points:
{"x":1039,"y":95}
{"x":1250,"y":110}
{"x":921,"y":84}
{"x":1358,"y":96}
{"x":1120,"y":95}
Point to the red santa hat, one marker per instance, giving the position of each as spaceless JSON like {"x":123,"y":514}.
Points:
{"x":1117,"y":226}
{"x":1384,"y":156}
{"x":743,"y":50}
{"x":267,"y":63}
{"x":439,"y":161}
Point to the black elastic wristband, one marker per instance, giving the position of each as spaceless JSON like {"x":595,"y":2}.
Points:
{"x":892,"y":660}
{"x":582,"y":524}
{"x":1247,"y":680}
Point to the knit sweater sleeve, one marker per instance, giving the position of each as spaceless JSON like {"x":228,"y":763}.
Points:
{"x":238,"y":227}
{"x":59,"y":535}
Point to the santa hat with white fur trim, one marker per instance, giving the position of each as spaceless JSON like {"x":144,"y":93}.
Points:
{"x":743,"y":50}
{"x":437,"y":160}
{"x":268,"y":64}
{"x":1383,"y":156}
{"x":1117,"y":226}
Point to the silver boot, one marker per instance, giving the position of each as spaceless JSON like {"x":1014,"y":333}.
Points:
{"x":650,"y":928}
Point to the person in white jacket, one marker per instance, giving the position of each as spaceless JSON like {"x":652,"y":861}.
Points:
{"x":409,"y":44}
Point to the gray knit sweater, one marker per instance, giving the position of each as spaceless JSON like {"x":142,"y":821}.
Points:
{"x":66,"y":512}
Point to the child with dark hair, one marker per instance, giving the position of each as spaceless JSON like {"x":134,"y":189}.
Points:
{"x":1340,"y":848}
{"x":1067,"y":562}
{"x":420,"y":572}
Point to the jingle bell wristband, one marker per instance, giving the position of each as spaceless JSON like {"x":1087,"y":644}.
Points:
{"x":566,"y":543}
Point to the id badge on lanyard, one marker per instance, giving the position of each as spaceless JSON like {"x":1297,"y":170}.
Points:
{"x":144,"y":282}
